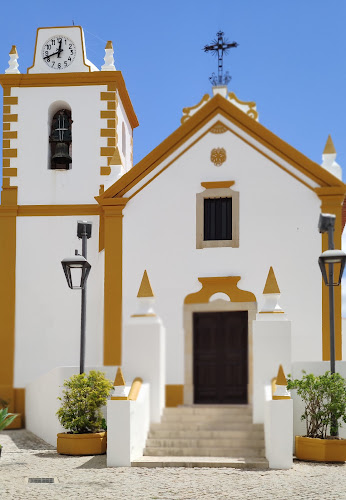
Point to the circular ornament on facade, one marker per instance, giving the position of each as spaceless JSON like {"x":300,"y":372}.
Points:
{"x":58,"y":52}
{"x":218,"y":156}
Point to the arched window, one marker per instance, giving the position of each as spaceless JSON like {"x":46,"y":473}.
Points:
{"x":61,"y":140}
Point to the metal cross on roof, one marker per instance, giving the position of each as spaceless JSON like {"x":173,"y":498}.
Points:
{"x":220,"y":47}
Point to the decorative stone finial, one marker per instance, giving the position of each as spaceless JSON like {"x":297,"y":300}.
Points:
{"x":281,"y":386}
{"x":109,"y":59}
{"x":145,"y":298}
{"x":13,"y":62}
{"x":119,"y":386}
{"x":328,"y":159}
{"x":271,"y":295}
{"x":271,"y":285}
{"x":145,"y":289}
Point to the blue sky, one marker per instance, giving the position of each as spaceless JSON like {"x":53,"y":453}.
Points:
{"x":291,"y":59}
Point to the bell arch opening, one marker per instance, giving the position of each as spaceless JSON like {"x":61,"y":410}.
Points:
{"x":60,"y":136}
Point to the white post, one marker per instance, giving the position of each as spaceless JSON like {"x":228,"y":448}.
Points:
{"x":144,"y":349}
{"x":271,"y":344}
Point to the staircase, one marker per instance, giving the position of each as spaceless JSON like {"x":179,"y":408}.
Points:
{"x":205,"y":436}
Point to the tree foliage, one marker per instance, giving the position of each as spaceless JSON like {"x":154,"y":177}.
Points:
{"x":325,"y":402}
{"x":82,"y":399}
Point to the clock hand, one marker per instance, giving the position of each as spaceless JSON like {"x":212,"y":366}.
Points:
{"x":60,"y":49}
{"x":54,"y":54}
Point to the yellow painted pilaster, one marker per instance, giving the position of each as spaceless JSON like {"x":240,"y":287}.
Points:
{"x":113,"y":220}
{"x":332,"y":199}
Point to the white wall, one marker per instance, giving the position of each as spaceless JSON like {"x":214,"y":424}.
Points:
{"x":278,"y":227}
{"x":127,"y":428}
{"x":47,"y":323}
{"x":41,"y":400}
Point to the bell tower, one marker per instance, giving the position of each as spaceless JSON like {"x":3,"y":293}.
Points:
{"x":67,"y":136}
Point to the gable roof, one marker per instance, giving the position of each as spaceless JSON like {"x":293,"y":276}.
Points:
{"x":218,"y":105}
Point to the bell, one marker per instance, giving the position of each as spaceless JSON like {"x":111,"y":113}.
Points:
{"x":61,"y":155}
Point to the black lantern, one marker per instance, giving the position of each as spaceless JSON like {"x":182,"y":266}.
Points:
{"x":76,"y":270}
{"x":330,"y":258}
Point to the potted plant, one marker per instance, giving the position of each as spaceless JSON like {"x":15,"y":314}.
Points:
{"x":325,"y":410}
{"x":5,"y":420}
{"x":80,"y":414}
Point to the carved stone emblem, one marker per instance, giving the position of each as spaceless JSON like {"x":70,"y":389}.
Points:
{"x":218,"y":156}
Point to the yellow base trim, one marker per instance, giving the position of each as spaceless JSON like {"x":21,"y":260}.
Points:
{"x":216,"y":185}
{"x":143,"y":315}
{"x":174,"y":395}
{"x":271,"y":312}
{"x":281,"y":397}
{"x":119,"y":398}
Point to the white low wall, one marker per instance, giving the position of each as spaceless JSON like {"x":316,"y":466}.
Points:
{"x":41,"y":400}
{"x":127,"y":428}
{"x":317,"y":368}
{"x":271,"y":348}
{"x":278,"y":429}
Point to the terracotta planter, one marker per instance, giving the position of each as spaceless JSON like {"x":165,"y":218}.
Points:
{"x":321,"y":450}
{"x":82,"y":444}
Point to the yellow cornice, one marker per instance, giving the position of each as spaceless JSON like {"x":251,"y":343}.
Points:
{"x":74,"y":79}
{"x":217,"y":184}
{"x":219,"y":105}
{"x":219,"y":284}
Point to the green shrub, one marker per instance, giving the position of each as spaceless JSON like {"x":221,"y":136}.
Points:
{"x":6,"y":418}
{"x":82,"y":399}
{"x":325,"y":402}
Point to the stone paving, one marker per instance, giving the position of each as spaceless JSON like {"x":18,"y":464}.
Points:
{"x":25,"y":456}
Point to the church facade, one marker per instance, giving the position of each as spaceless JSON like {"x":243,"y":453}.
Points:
{"x":208,"y":214}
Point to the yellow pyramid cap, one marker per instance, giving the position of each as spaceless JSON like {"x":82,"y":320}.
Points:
{"x":329,"y":148}
{"x":14,"y":50}
{"x":145,"y":289}
{"x":109,"y":45}
{"x":281,"y":378}
{"x":119,"y":378}
{"x":116,"y":160}
{"x":271,"y":285}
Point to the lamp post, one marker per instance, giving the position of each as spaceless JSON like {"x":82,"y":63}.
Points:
{"x":327,"y":261}
{"x":77,"y":270}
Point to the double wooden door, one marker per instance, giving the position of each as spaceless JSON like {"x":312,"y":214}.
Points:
{"x":220,"y":360}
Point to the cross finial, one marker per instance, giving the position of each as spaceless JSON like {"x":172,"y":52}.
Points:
{"x":219,"y":47}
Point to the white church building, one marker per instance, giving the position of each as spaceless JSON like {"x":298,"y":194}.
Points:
{"x":222,"y":216}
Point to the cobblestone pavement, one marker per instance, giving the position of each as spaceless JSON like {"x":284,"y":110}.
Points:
{"x":25,"y":456}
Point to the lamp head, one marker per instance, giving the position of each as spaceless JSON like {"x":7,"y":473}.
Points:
{"x":326,"y":222}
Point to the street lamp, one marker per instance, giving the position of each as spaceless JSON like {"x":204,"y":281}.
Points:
{"x":327,"y":261}
{"x":76,"y":270}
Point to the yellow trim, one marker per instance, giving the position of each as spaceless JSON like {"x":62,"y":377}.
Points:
{"x":251,"y":104}
{"x":119,"y":378}
{"x":13,"y":50}
{"x":9,"y":153}
{"x":108,"y":132}
{"x":217,"y":184}
{"x":186,"y":111}
{"x":57,"y":210}
{"x":218,"y":128}
{"x":10,"y":135}
{"x":6,"y":109}
{"x":105,"y":170}
{"x":219,"y":105}
{"x":223,"y":284}
{"x":119,"y":398}
{"x":6,"y":162}
{"x":109,"y":45}
{"x":7,"y":297}
{"x":9,"y":172}
{"x":329,"y":148}
{"x":111,"y":105}
{"x":149,"y":315}
{"x":332,"y":199}
{"x":145,"y":289}
{"x":10,"y":100}
{"x":111,"y":142}
{"x":107,"y":114}
{"x":174,"y":395}
{"x":75,"y":79}
{"x":10,"y":118}
{"x":107,"y":151}
{"x":271,"y":312}
{"x":281,"y":397}
{"x":113,"y":282}
{"x":6,"y":126}
{"x":135,"y":388}
{"x":108,"y":96}
{"x":271,"y":285}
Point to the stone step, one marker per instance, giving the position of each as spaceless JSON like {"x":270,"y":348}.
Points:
{"x":204,"y":452}
{"x":160,"y":433}
{"x":217,"y":419}
{"x":203,"y":409}
{"x":205,"y":443}
{"x":207,"y":425}
{"x":184,"y":461}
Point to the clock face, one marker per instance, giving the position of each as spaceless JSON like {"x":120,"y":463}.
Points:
{"x":58,"y":52}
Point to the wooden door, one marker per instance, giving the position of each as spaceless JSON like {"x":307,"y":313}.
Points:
{"x":220,"y":359}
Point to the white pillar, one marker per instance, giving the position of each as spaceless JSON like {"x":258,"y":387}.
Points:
{"x":279,"y":433}
{"x":144,"y":349}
